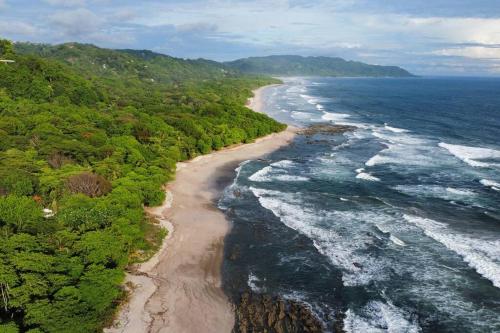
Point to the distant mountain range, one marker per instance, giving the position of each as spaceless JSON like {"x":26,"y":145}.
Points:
{"x":163,"y":68}
{"x":291,"y":65}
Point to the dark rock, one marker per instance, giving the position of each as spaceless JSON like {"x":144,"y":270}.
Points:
{"x":327,"y":129}
{"x":357,"y":264}
{"x":266,"y":313}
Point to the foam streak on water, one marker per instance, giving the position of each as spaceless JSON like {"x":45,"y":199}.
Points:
{"x":483,"y":255}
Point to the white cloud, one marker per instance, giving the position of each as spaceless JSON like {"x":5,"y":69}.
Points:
{"x":198,"y":27}
{"x":16,"y":28}
{"x":475,"y":52}
{"x":76,"y":22}
{"x":124,"y":14}
{"x":65,"y":3}
{"x":354,"y":29}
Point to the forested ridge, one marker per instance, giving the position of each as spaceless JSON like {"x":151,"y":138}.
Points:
{"x":88,"y":136}
{"x":293,"y":65}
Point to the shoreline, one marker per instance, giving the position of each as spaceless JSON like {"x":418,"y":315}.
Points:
{"x":180,"y":289}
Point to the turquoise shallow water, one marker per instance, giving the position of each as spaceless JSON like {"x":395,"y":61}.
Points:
{"x":396,"y":224}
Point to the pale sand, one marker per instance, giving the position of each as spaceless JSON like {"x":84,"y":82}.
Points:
{"x":179,"y":290}
{"x":256,"y":103}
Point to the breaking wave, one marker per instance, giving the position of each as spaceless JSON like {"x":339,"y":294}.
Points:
{"x":480,"y":254}
{"x":474,"y":156}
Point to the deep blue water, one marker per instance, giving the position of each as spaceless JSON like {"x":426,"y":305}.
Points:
{"x":395,"y":224}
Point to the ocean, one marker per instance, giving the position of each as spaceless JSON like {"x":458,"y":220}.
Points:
{"x":395,"y":224}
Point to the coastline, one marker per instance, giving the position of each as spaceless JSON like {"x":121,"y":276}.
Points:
{"x":179,"y":288}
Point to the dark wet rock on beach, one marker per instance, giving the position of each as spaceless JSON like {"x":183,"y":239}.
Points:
{"x":258,"y":313}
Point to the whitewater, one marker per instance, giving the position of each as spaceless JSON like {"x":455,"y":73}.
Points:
{"x":393,"y":226}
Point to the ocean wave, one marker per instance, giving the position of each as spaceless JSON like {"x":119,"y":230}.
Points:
{"x":276,"y":172}
{"x":380,"y":317}
{"x":480,"y":254}
{"x":334,"y":116}
{"x":491,"y":184}
{"x":405,"y":150}
{"x":230,"y":191}
{"x":320,"y":107}
{"x":377,"y":159}
{"x":395,"y":129}
{"x":310,"y":99}
{"x":358,"y":269}
{"x":436,"y":191}
{"x":392,"y":238}
{"x":283,"y":164}
{"x":396,"y":240}
{"x":252,"y":282}
{"x":399,"y":138}
{"x":367,"y":176}
{"x":262,"y":175}
{"x":459,"y":191}
{"x":473,"y":156}
{"x":301,"y":115}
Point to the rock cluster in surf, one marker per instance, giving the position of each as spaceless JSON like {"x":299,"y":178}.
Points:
{"x":265,"y":313}
{"x":328,"y":129}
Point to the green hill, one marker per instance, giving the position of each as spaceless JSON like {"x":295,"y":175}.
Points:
{"x":91,"y":135}
{"x":289,"y":65}
{"x":144,"y":65}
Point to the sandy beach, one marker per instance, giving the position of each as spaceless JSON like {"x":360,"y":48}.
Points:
{"x":179,"y":289}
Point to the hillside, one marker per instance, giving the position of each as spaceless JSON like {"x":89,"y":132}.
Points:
{"x":83,"y":148}
{"x":143,"y":65}
{"x":288,"y":65}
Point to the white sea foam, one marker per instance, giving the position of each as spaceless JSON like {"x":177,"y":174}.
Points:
{"x":291,"y":178}
{"x":396,"y":240}
{"x":343,"y":252}
{"x":395,"y":129}
{"x":480,"y":254}
{"x":310,"y":99}
{"x":277,"y":172}
{"x":367,"y":176}
{"x":392,"y":238}
{"x":320,"y":107}
{"x":436,"y":191}
{"x":301,"y":115}
{"x":473,"y":156}
{"x":459,"y":191}
{"x":491,"y":184}
{"x":404,"y":149}
{"x":252,"y":282}
{"x":262,"y":175}
{"x":377,"y":159}
{"x":283,"y":164}
{"x":329,"y":116}
{"x":378,"y":317}
{"x":229,"y":192}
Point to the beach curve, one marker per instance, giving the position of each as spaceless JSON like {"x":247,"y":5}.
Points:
{"x":179,"y":289}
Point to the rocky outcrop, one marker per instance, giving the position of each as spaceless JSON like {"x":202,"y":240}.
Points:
{"x":257,"y":313}
{"x":327,"y":129}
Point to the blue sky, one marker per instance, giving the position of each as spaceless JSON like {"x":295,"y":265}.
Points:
{"x":440,"y":37}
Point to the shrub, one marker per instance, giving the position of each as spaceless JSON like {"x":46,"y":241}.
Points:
{"x":90,"y":184}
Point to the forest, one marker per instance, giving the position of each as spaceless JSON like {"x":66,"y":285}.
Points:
{"x":88,"y":138}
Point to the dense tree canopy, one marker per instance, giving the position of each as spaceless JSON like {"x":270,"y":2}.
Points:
{"x":82,"y":150}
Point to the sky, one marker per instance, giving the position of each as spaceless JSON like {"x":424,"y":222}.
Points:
{"x":426,"y":37}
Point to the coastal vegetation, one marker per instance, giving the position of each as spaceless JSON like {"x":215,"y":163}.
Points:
{"x":88,"y":136}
